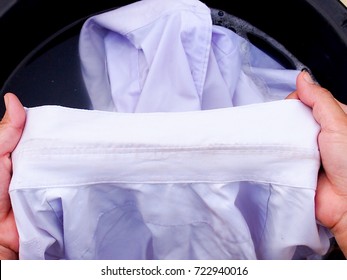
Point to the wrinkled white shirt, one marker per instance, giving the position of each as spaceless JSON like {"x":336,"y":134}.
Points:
{"x":164,"y":56}
{"x":189,"y":176}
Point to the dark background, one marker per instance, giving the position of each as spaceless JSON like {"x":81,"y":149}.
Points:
{"x":315,"y":31}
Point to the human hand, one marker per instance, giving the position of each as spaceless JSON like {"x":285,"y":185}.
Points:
{"x":331,"y":194}
{"x":11,"y":128}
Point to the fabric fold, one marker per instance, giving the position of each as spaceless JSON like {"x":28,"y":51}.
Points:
{"x":234,"y":183}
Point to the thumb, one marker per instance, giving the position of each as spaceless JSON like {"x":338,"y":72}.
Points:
{"x":326,"y":110}
{"x":12,"y":124}
{"x":11,"y":127}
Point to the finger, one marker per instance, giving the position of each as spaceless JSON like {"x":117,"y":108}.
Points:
{"x":11,"y":127}
{"x":293,"y":95}
{"x":326,"y":110}
{"x":343,"y":106}
{"x":12,"y":124}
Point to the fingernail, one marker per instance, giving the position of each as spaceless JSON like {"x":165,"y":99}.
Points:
{"x":5,"y":117}
{"x":307,"y":77}
{"x":7,"y":101}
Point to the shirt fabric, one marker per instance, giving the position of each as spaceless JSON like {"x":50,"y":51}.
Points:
{"x":164,"y":56}
{"x":233,"y":183}
{"x":213,"y":165}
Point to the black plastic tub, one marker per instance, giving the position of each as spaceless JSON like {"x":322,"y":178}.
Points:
{"x":314,"y":31}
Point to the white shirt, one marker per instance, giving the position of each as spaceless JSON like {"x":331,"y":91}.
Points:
{"x":154,"y":55}
{"x":232,"y":183}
